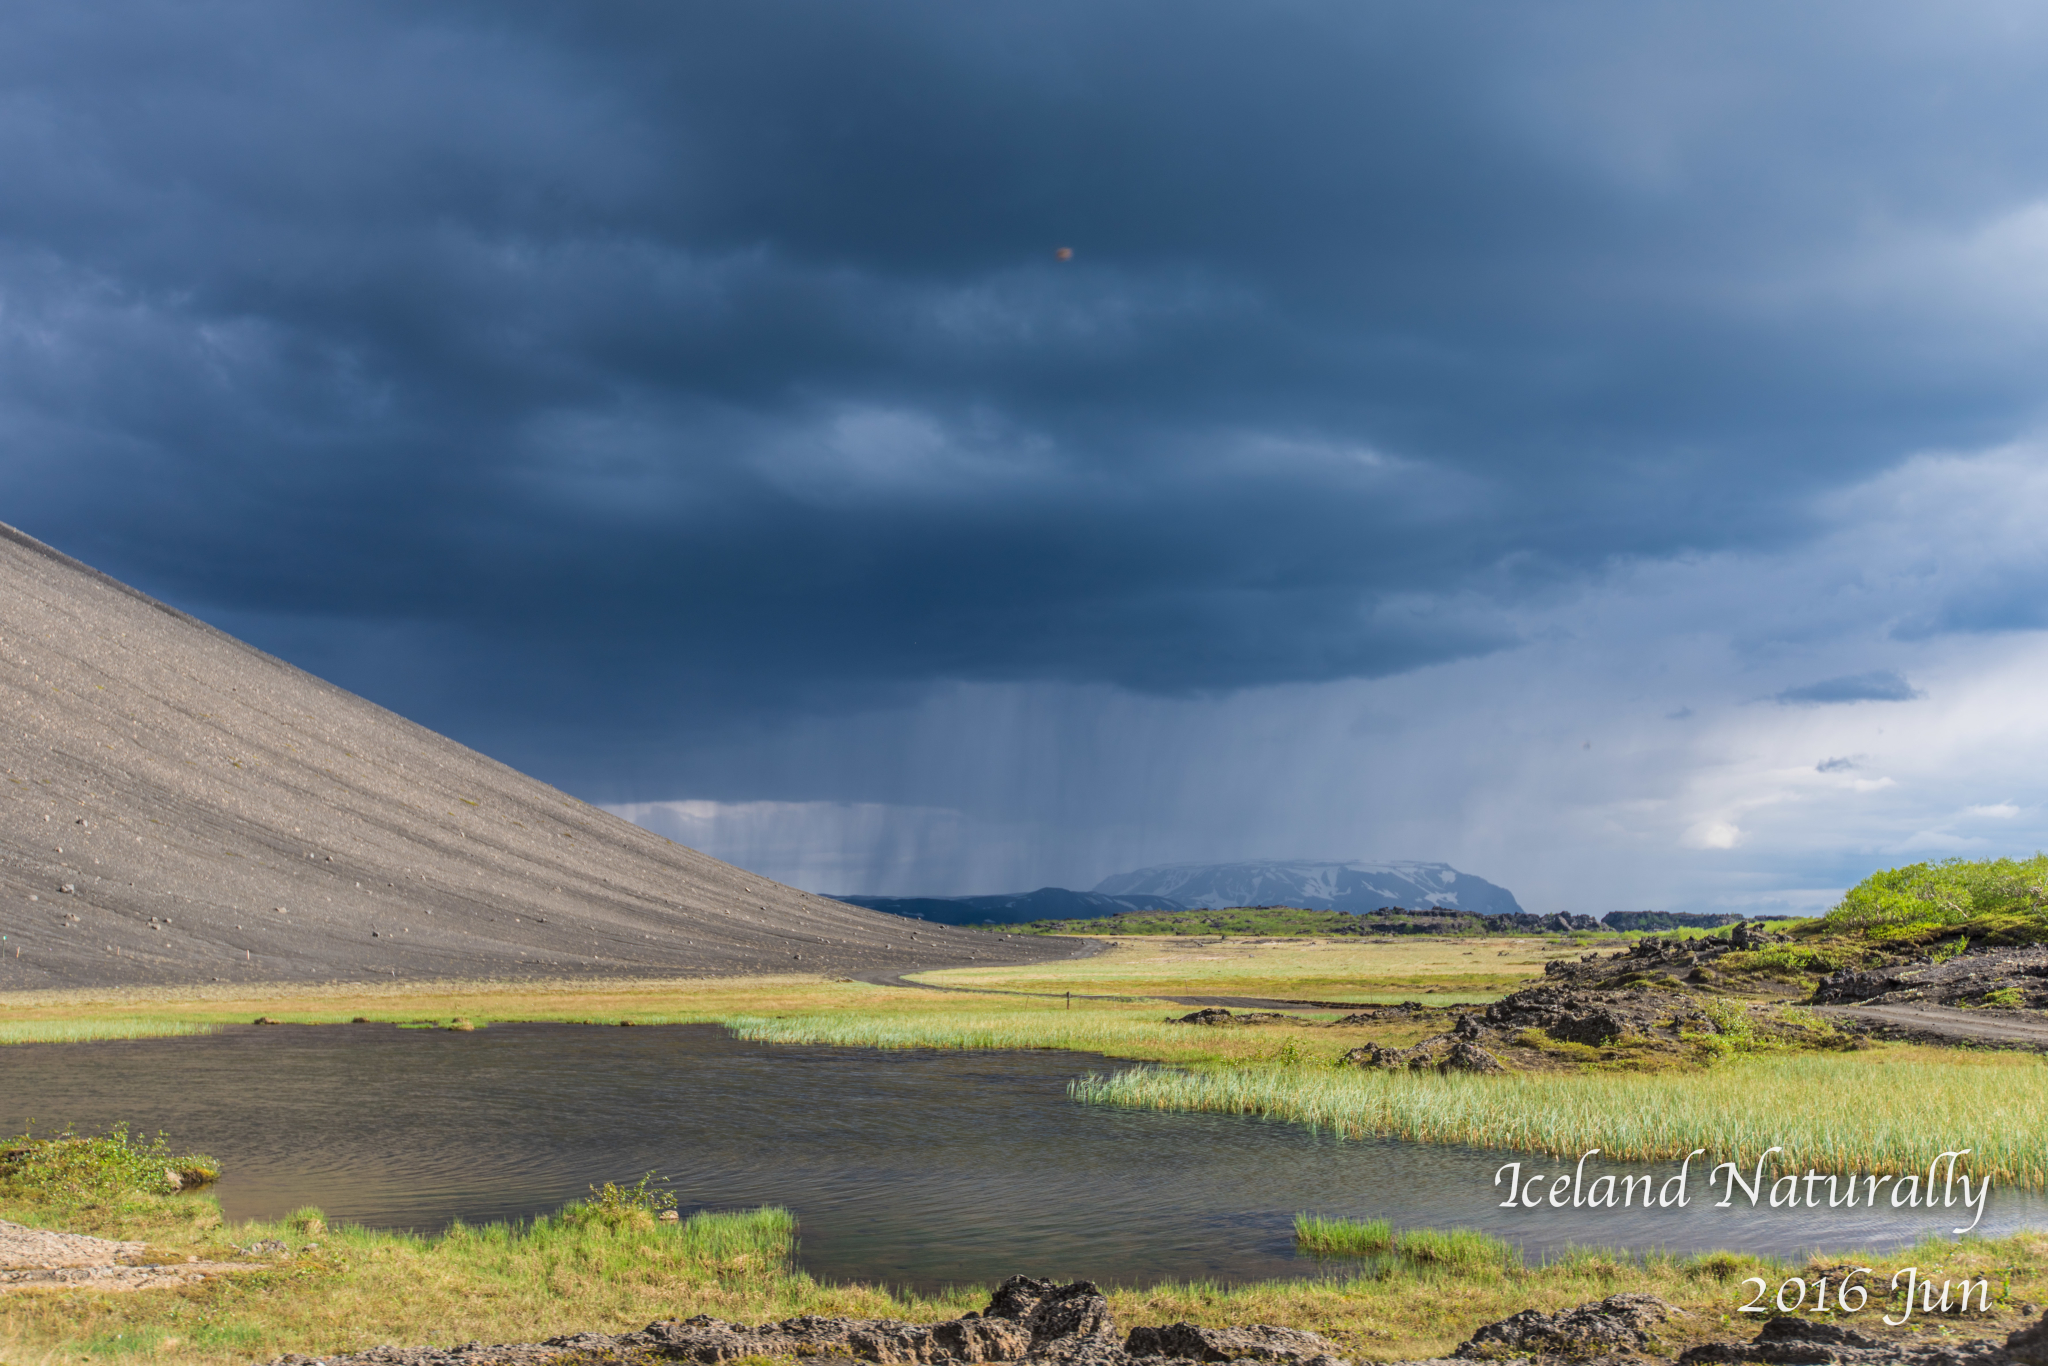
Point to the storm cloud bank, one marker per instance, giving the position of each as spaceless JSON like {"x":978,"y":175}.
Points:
{"x":1547,"y":416}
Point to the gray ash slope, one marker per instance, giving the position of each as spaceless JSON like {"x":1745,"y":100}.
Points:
{"x":221,"y":816}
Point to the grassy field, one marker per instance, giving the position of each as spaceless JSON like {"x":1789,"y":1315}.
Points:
{"x":610,"y":1266}
{"x":1416,"y":1295}
{"x":1339,"y":969}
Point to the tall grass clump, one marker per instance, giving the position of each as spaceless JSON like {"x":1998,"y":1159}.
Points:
{"x":1998,"y":901}
{"x":1450,"y":1249}
{"x":94,"y":1031}
{"x":1321,"y":1237}
{"x":1087,"y":1030}
{"x":1456,"y":1249}
{"x":1835,"y":1113}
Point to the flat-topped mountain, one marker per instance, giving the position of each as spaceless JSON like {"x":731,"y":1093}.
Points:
{"x":181,"y":807}
{"x":1013,"y":908}
{"x":1355,"y":887}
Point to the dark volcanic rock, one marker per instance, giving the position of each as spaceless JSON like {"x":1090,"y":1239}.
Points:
{"x":1444,"y":1053}
{"x":1217,"y":1015}
{"x":1257,"y":1342}
{"x":1584,"y":1015}
{"x":1619,"y":1323}
{"x":1028,"y":1320}
{"x":1786,"y":1341}
{"x":1964,"y":980}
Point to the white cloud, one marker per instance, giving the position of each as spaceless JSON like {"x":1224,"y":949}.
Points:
{"x":1712,"y":835}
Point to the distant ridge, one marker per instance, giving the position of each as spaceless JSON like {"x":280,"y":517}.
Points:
{"x":1357,"y":887}
{"x":179,"y":807}
{"x":1666,"y":920}
{"x":1047,"y":903}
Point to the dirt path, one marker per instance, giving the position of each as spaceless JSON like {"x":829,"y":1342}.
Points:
{"x":1946,"y":1022}
{"x":39,"y":1259}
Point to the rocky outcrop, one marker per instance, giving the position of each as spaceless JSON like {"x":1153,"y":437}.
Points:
{"x":2018,"y":976}
{"x":1029,"y":1321}
{"x":1444,"y":1053}
{"x":1619,"y":1323}
{"x":1786,"y":1341}
{"x":1215,"y":1016}
{"x":1260,"y":1342}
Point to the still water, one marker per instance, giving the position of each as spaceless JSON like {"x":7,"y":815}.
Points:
{"x":912,"y":1167}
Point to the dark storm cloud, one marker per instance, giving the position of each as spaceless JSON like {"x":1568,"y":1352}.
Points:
{"x":669,"y":363}
{"x":1882,"y":685}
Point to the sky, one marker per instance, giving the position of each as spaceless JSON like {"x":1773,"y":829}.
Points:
{"x":937,"y":448}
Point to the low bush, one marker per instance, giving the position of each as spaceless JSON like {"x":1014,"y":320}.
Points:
{"x":615,"y":1206}
{"x":113,"y":1164}
{"x":1990,"y":901}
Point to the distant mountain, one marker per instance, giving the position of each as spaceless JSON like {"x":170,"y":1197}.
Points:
{"x":1355,"y":887}
{"x":1014,"y":908}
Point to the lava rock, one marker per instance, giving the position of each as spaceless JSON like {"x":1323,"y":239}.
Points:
{"x":1619,"y":1323}
{"x":1253,"y":1342}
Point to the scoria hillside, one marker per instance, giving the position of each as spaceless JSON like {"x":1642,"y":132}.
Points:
{"x":181,"y":807}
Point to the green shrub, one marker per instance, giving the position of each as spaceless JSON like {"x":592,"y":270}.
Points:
{"x":106,"y":1165}
{"x":617,"y":1206}
{"x":2005,"y":996}
{"x":1997,"y":900}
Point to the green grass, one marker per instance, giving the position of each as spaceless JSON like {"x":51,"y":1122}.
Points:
{"x":92,"y":1031}
{"x":1320,"y":1237}
{"x":1904,"y":1111}
{"x":1457,"y":1249}
{"x":1088,"y":1030}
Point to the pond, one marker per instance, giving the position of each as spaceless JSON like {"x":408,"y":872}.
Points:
{"x":910,"y":1167}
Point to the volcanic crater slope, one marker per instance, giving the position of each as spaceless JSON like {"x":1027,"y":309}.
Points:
{"x":182,"y":808}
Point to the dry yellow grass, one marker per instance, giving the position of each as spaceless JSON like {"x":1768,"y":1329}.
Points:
{"x":1340,"y":969}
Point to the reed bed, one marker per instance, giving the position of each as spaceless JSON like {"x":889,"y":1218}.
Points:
{"x":1087,"y":1030}
{"x":92,"y":1031}
{"x":1320,"y":1237}
{"x":1461,"y":1249}
{"x":1831,"y":1112}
